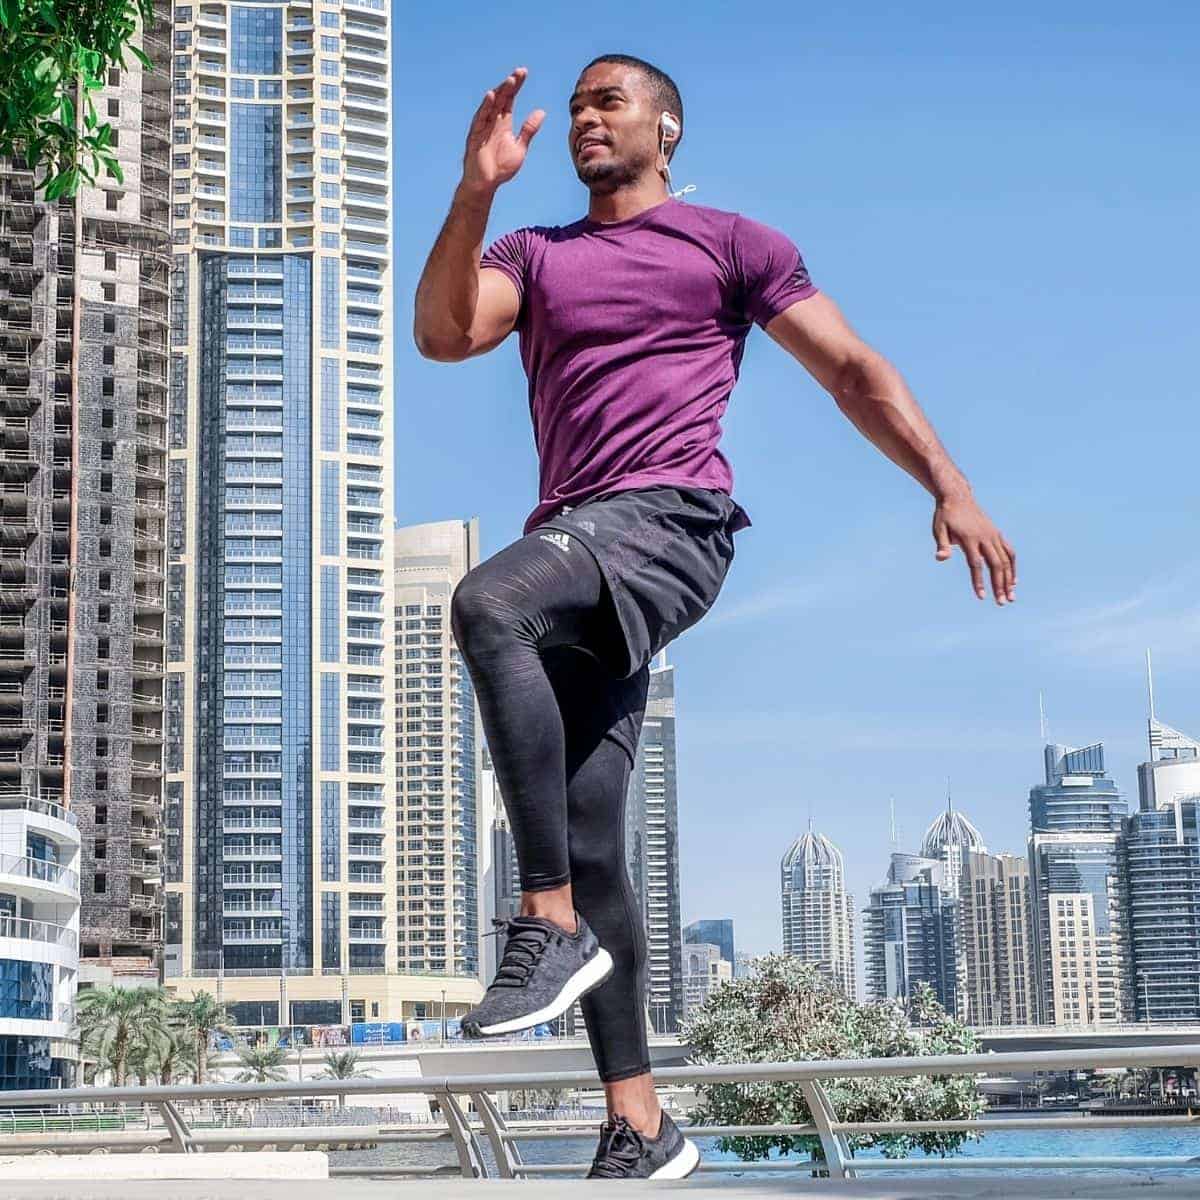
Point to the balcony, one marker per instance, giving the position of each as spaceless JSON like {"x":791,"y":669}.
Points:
{"x":38,"y":931}
{"x":19,"y":870}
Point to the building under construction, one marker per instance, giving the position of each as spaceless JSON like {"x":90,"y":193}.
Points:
{"x":84,"y":290}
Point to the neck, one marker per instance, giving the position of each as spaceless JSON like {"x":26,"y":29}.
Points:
{"x":628,"y":201}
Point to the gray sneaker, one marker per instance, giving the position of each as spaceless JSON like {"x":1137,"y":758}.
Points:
{"x":543,"y":972}
{"x":624,"y":1153}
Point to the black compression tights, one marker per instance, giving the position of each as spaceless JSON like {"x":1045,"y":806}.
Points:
{"x":523,"y":621}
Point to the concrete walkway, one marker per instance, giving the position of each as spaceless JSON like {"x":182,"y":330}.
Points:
{"x":706,"y":1186}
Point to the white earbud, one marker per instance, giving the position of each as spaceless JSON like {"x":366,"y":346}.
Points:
{"x":668,"y":125}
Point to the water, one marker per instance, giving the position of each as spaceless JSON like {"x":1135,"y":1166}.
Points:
{"x":1104,"y":1141}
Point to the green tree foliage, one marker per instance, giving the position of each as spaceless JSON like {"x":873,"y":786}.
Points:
{"x":163,"y":1055}
{"x":787,"y":1011}
{"x":53,"y":57}
{"x":345,"y":1065}
{"x":202,"y":1016}
{"x":261,"y":1065}
{"x":115,"y":1024}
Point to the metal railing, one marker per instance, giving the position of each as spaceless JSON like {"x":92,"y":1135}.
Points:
{"x":469,"y":1133}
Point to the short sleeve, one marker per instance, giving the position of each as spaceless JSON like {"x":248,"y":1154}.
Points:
{"x":510,"y":254}
{"x":769,"y":270}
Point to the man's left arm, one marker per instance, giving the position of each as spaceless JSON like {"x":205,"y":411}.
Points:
{"x":874,"y":396}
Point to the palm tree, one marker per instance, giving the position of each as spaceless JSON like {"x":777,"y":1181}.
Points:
{"x":170,"y":1055}
{"x":204,"y":1015}
{"x":344,"y":1066}
{"x":261,"y":1066}
{"x":114,"y":1020}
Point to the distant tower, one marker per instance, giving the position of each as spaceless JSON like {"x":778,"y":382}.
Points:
{"x":950,"y":839}
{"x":1160,"y":858}
{"x":652,"y":849}
{"x":818,"y":913}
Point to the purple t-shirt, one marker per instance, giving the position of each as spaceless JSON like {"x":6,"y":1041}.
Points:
{"x":631,"y":334}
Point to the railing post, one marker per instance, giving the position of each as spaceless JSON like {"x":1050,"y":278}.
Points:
{"x":507,"y":1154}
{"x":182,"y":1141}
{"x":824,"y":1118}
{"x":470,"y":1156}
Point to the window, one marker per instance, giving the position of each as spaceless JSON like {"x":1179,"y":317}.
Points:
{"x":330,"y":141}
{"x":330,"y":91}
{"x":330,"y":166}
{"x":109,"y":292}
{"x":270,"y":89}
{"x":114,"y":77}
{"x":183,"y":14}
{"x":100,"y":886}
{"x":114,"y":108}
{"x":329,"y":116}
{"x":110,"y":260}
{"x":111,"y":200}
{"x":243,"y":88}
{"x":110,"y":323}
{"x":330,"y":241}
{"x":329,"y":45}
{"x":329,"y":66}
{"x":330,"y":216}
{"x":257,"y":41}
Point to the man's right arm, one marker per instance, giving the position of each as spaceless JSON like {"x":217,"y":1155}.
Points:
{"x":462,"y":310}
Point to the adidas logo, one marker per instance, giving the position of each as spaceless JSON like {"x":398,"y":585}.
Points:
{"x":558,"y":539}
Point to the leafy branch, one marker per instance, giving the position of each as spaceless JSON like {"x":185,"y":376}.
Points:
{"x":54,"y":55}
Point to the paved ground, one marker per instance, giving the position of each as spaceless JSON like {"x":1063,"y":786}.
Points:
{"x":707,"y":1186}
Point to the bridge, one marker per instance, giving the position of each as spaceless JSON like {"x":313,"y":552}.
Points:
{"x":521,"y":1056}
{"x":197,"y":1161}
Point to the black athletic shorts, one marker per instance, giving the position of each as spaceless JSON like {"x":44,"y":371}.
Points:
{"x":664,"y":552}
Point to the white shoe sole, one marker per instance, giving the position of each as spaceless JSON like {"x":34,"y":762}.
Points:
{"x":593,"y":973}
{"x":683,"y":1164}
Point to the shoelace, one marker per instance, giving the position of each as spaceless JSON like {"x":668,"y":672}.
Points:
{"x":521,"y":953}
{"x":620,"y":1148}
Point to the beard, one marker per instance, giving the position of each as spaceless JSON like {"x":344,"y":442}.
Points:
{"x":611,"y":174}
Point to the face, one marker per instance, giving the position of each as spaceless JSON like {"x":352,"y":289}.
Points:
{"x":613,"y":134}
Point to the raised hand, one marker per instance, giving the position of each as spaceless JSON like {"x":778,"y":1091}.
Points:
{"x":494,"y":153}
{"x":958,"y":520}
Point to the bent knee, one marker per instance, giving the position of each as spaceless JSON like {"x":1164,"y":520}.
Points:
{"x":477,"y":618}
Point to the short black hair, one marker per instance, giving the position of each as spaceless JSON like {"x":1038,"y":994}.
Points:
{"x":662,"y":87}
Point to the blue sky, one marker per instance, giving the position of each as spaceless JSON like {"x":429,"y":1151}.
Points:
{"x":1004,"y":203}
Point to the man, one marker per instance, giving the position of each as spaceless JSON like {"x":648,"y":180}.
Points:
{"x":632,"y":323}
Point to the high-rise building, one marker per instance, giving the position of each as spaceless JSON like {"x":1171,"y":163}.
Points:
{"x":715,"y":933}
{"x":704,"y":969}
{"x":909,"y":932}
{"x":995,"y":940}
{"x":1079,"y":919}
{"x":1162,"y":878}
{"x":949,"y":839}
{"x":83,"y":388}
{"x":280,"y":796}
{"x":652,"y":847}
{"x":438,"y":761}
{"x":818,"y":912}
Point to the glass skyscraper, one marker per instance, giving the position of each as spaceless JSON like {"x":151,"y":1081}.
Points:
{"x":280,"y":799}
{"x":1162,"y":879}
{"x":652,"y":849}
{"x":717,"y":933}
{"x":1079,"y":916}
{"x":909,"y":932}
